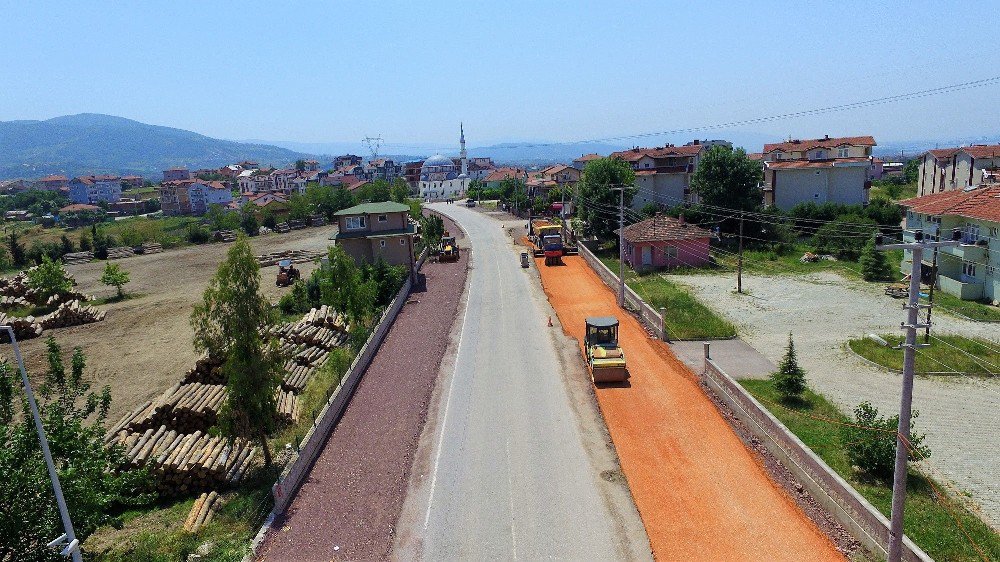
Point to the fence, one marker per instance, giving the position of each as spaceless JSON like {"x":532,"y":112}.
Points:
{"x":649,"y":315}
{"x":839,"y":498}
{"x":298,"y":467}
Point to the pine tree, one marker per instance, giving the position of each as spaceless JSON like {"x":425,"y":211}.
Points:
{"x":789,"y":379}
{"x":874,"y":265}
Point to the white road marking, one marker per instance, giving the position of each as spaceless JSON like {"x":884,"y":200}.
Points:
{"x":510,"y":500}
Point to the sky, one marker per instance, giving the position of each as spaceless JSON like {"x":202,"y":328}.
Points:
{"x":510,"y":70}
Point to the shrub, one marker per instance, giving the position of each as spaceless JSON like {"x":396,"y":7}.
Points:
{"x":874,"y":264}
{"x":49,"y":278}
{"x":296,"y":301}
{"x":115,"y":276}
{"x":871,"y":443}
{"x":249,"y":224}
{"x":198,"y":234}
{"x":844,"y":237}
{"x":789,"y":379}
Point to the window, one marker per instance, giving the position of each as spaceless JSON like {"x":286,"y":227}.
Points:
{"x":402,"y":241}
{"x":355,"y":223}
{"x":843,"y":152}
{"x":381,"y":243}
{"x":779,"y":155}
{"x":670,"y":251}
{"x":993,"y":232}
{"x":383,"y":218}
{"x":971,"y":233}
{"x":820,"y":154}
{"x":968,"y":269}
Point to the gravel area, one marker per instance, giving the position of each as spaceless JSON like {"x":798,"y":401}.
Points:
{"x":348,"y":506}
{"x":823,"y":311}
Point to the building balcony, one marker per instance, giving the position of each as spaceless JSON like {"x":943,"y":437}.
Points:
{"x":966,"y":288}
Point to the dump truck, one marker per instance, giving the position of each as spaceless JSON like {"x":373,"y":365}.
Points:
{"x":605,"y":358}
{"x":449,"y":249}
{"x":287,"y":274}
{"x":547,"y":238}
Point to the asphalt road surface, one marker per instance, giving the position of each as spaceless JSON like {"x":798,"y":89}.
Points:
{"x":516,"y":462}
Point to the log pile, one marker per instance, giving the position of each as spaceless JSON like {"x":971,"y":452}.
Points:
{"x":288,"y":407}
{"x":206,"y":370}
{"x":17,"y":286}
{"x":311,"y":335}
{"x":282,"y":227}
{"x":71,"y":295}
{"x":152,"y":248}
{"x":225,"y":236}
{"x":120,"y":252}
{"x":317,"y":220}
{"x":77,"y":258}
{"x":24,"y":328}
{"x":187,"y":408}
{"x":185,"y":463}
{"x":296,"y":256}
{"x":296,"y":224}
{"x":13,"y":302}
{"x":202,"y":512}
{"x":326,"y":317}
{"x":72,"y":313}
{"x":297,"y":376}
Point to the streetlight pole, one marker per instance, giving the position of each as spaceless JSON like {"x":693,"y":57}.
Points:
{"x":621,"y":246}
{"x":68,"y":538}
{"x":910,"y":346}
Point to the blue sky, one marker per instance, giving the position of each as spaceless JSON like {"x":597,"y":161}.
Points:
{"x":511,"y":70}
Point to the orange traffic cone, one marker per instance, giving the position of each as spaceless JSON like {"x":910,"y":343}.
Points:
{"x":550,"y":321}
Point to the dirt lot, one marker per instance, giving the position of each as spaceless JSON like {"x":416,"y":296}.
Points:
{"x":700,"y":492}
{"x":823,"y":311}
{"x":144,"y":346}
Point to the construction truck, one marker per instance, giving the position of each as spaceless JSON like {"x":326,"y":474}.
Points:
{"x":605,"y":358}
{"x":449,"y":249}
{"x":547,"y":238}
{"x":287,"y":274}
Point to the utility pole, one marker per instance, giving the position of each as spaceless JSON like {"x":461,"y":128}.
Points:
{"x":739,"y":261}
{"x":930,"y":295}
{"x":910,"y":346}
{"x":72,"y":545}
{"x":621,"y":246}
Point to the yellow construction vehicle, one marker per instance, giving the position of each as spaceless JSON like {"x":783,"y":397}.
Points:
{"x":449,"y":249}
{"x":605,"y":358}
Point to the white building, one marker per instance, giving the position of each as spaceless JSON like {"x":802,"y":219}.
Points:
{"x":826,"y":170}
{"x":438,"y":177}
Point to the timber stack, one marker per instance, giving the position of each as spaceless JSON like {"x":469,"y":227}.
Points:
{"x":225,"y":236}
{"x":296,"y":256}
{"x":72,"y":313}
{"x":182,"y":463}
{"x":13,"y":302}
{"x":24,"y":328}
{"x":204,"y":508}
{"x":317,"y":220}
{"x":151,"y":248}
{"x":120,"y":252}
{"x":78,"y":258}
{"x":183,"y":407}
{"x":206,"y":370}
{"x":288,"y":407}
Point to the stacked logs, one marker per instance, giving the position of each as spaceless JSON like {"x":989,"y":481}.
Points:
{"x":183,"y":463}
{"x":225,"y":236}
{"x":326,"y":317}
{"x":297,"y":376}
{"x":202,"y":512}
{"x":77,"y":258}
{"x":296,"y":256}
{"x":288,"y":407}
{"x":24,"y":328}
{"x":71,"y":313}
{"x":187,"y":407}
{"x":120,"y":252}
{"x":152,"y":248}
{"x":13,"y":302}
{"x":206,"y":370}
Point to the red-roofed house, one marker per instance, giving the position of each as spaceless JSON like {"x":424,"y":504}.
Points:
{"x":493,"y":180}
{"x":664,"y":241}
{"x":945,"y":169}
{"x":52,"y":183}
{"x":663,"y":174}
{"x":972,"y":270}
{"x":580,"y":162}
{"x":833,"y":170}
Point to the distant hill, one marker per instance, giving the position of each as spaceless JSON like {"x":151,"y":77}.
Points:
{"x":94,"y":143}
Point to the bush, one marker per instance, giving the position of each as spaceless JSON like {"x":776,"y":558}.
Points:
{"x":249,"y":224}
{"x":296,"y":301}
{"x":844,"y":237}
{"x":86,"y":242}
{"x":874,"y":265}
{"x":871,"y":444}
{"x":115,"y":276}
{"x":198,"y":234}
{"x":49,"y":278}
{"x":789,"y":379}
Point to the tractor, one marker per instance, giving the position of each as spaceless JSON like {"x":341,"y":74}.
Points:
{"x":449,"y":249}
{"x":605,"y":358}
{"x":287,"y":274}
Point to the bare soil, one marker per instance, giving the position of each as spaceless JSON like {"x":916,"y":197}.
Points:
{"x":145,"y":344}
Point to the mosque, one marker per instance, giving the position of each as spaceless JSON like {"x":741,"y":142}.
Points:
{"x":440,"y":177}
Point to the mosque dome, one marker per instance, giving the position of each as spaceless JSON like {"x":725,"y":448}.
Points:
{"x":438,"y":160}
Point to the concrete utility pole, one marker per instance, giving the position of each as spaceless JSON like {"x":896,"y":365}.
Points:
{"x":911,"y":326}
{"x":72,"y":545}
{"x":739,"y":261}
{"x":621,"y":246}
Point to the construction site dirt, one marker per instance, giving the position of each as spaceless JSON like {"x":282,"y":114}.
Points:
{"x":701,"y":493}
{"x":349,"y":504}
{"x":145,"y":343}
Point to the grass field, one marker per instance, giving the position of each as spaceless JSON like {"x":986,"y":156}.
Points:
{"x":930,"y":519}
{"x":687,"y":318}
{"x":970,"y":356}
{"x":974,"y":310}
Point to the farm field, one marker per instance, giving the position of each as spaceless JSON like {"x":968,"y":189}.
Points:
{"x":145,"y":345}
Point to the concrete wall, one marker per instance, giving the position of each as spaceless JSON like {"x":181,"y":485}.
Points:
{"x":839,"y":498}
{"x":649,"y":316}
{"x":819,"y":185}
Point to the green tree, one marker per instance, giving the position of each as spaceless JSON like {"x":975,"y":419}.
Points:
{"x":431,"y":230}
{"x":220,"y":219}
{"x":115,"y":276}
{"x":95,"y":479}
{"x":67,"y":245}
{"x":400,"y":191}
{"x":871,"y":441}
{"x":874,"y":264}
{"x":248,"y":222}
{"x":789,"y":379}
{"x":727,"y":178}
{"x":299,"y":207}
{"x":300,"y":165}
{"x":597,"y":199}
{"x":269,"y":219}
{"x":375,"y":192}
{"x":911,"y":170}
{"x":233,"y":322}
{"x":17,"y":255}
{"x":844,"y":237}
{"x":49,"y":278}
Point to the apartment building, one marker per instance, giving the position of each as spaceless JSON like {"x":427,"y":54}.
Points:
{"x":834,"y":170}
{"x":663,"y":174}
{"x":947,"y":169}
{"x":371,"y":231}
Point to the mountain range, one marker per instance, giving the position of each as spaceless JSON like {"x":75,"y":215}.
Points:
{"x":91,"y":143}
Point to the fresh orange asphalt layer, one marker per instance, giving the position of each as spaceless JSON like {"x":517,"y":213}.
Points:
{"x":700,"y":492}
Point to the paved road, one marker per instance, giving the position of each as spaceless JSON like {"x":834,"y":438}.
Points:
{"x":515,"y":453}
